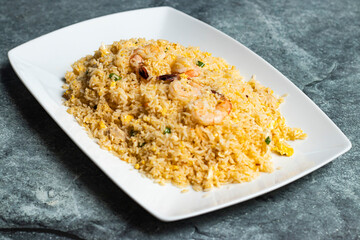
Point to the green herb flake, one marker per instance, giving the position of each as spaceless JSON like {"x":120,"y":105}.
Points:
{"x":267,"y":140}
{"x":136,"y":42}
{"x":167,"y":130}
{"x":114,"y":77}
{"x":133,"y":133}
{"x":200,"y":64}
{"x":142,"y":144}
{"x":166,"y":49}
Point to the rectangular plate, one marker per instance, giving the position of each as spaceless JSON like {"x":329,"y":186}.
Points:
{"x":42,"y":63}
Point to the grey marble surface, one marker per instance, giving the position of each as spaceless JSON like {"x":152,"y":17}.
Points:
{"x":50,"y":190}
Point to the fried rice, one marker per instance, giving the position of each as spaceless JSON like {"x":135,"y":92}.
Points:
{"x":178,"y":114}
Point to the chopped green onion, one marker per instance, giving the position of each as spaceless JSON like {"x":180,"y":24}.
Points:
{"x":114,"y":77}
{"x":200,"y":64}
{"x":167,"y":130}
{"x":133,"y":133}
{"x":166,"y":49}
{"x":142,"y":144}
{"x":267,"y":140}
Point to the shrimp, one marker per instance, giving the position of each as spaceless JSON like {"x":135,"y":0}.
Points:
{"x":205,"y":114}
{"x":182,"y":65}
{"x":136,"y":60}
{"x":193,"y":73}
{"x":142,"y":53}
{"x":184,"y":91}
{"x":150,"y":51}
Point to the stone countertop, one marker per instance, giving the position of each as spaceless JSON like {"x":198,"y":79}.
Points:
{"x":316,"y":44}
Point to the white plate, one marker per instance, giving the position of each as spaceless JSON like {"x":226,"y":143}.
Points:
{"x":42,"y":63}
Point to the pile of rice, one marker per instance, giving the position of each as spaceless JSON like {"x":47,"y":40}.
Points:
{"x":140,"y":122}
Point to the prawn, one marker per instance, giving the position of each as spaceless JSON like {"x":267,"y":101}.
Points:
{"x":204,"y":113}
{"x":184,"y":91}
{"x":140,"y":54}
{"x":182,"y":65}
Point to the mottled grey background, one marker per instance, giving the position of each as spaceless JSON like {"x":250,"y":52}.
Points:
{"x":50,"y":189}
